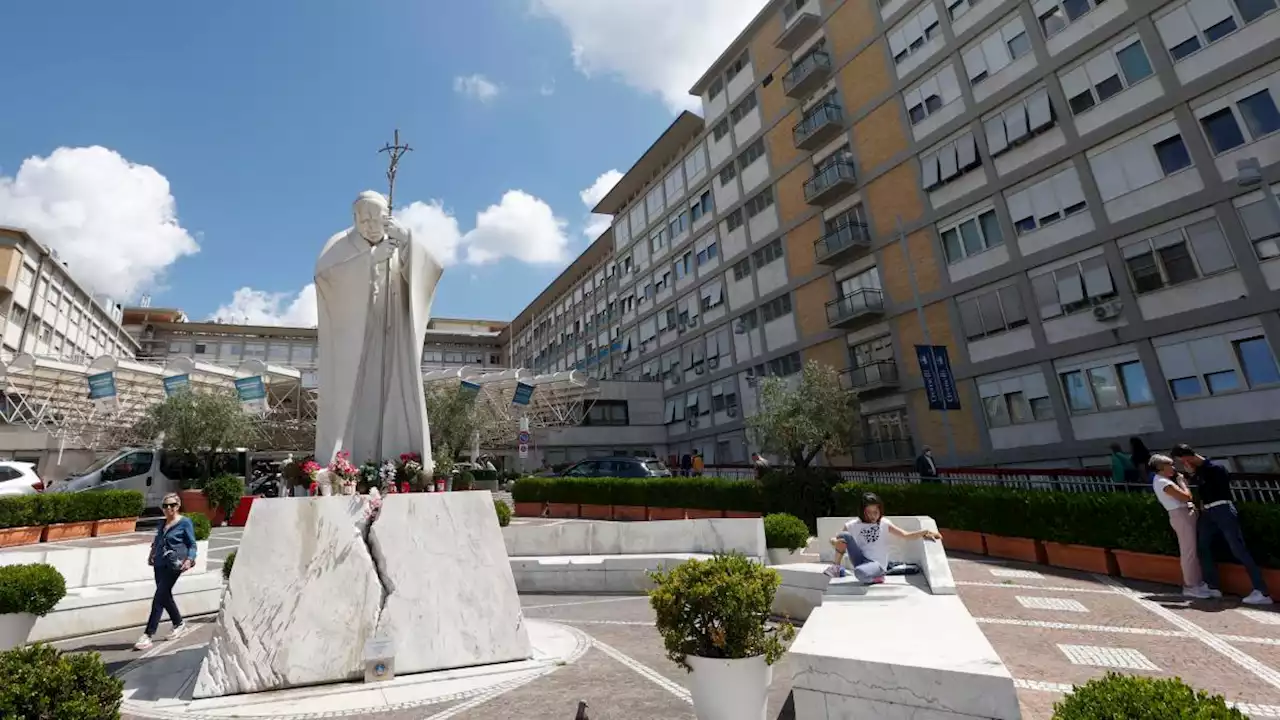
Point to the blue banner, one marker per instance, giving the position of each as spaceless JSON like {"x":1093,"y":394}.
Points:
{"x":470,"y":389}
{"x":523,"y":394}
{"x":176,"y":384}
{"x":939,"y":382}
{"x":102,"y":391}
{"x":252,"y":392}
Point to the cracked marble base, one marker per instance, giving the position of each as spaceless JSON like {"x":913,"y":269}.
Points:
{"x":312,"y":584}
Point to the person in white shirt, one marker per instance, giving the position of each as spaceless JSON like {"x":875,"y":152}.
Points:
{"x":1172,"y":492}
{"x":866,"y":542}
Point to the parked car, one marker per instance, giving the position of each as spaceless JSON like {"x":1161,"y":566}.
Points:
{"x":621,"y":466}
{"x":19,"y":478}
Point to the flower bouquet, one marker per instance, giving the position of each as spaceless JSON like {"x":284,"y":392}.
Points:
{"x":344,"y":473}
{"x":409,"y":470}
{"x":310,"y":472}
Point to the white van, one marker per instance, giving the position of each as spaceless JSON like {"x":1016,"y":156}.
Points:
{"x":151,"y":471}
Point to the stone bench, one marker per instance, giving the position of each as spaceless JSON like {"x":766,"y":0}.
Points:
{"x":90,"y":562}
{"x":613,"y":557}
{"x":95,"y":609}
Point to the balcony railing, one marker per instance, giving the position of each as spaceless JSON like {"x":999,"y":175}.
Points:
{"x":818,"y":127}
{"x":830,"y":182}
{"x":857,"y":304}
{"x":838,"y":244}
{"x":798,"y":24}
{"x":875,"y":375}
{"x":807,"y":74}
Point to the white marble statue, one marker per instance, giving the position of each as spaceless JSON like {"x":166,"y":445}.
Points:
{"x":374,"y":287}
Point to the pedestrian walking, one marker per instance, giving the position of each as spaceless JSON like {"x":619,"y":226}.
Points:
{"x":686,"y":465}
{"x":698,"y":464}
{"x":173,"y":552}
{"x":1218,"y":515}
{"x":1140,"y":456}
{"x":1174,"y":495}
{"x":1123,"y":473}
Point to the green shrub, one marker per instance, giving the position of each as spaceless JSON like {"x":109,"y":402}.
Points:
{"x":227,"y":563}
{"x":531,"y":489}
{"x":41,"y":683}
{"x":111,"y":504}
{"x":202,"y":525}
{"x":632,"y":492}
{"x":808,"y":494}
{"x":504,"y":513}
{"x":784,"y":531}
{"x":1130,"y":697}
{"x":464,"y":481}
{"x":718,"y":608}
{"x":34,"y":588}
{"x":18,"y":511}
{"x":85,"y":506}
{"x":54,"y":507}
{"x":224,"y":492}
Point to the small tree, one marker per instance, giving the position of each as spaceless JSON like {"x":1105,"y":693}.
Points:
{"x":455,"y":415}
{"x":816,"y":416}
{"x":198,"y":424}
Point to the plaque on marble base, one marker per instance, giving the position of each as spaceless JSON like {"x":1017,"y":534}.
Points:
{"x":379,"y":659}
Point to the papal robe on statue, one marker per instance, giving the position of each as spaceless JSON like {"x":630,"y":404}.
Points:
{"x":374,"y":287}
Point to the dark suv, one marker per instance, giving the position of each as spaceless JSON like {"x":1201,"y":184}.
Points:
{"x":618,"y":467}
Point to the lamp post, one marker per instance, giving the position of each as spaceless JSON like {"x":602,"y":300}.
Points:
{"x":753,"y":382}
{"x":1249,"y":174}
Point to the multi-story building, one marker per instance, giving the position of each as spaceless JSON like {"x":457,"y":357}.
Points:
{"x":1050,"y":190}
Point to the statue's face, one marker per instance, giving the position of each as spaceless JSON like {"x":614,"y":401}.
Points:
{"x":369,"y":221}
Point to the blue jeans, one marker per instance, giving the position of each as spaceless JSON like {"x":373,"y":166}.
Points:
{"x":864,"y":569}
{"x":1224,"y":519}
{"x":163,"y":602}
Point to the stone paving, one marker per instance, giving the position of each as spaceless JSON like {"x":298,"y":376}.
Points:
{"x":1051,"y":627}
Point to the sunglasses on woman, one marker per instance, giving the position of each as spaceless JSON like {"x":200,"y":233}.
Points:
{"x":169,"y":505}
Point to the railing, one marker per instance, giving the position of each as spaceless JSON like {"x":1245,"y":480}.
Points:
{"x":827,"y":177}
{"x":816,"y":118}
{"x":847,"y":235}
{"x":815,"y":60}
{"x":878,"y":372}
{"x":854,"y":304}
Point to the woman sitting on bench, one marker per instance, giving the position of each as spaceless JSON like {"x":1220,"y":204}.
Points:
{"x":864,"y":540}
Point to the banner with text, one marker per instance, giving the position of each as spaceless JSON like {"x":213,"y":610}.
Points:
{"x":102,"y":391}
{"x":470,"y":389}
{"x":176,"y":384}
{"x":523,"y":394}
{"x":939,"y":382}
{"x":253,"y":393}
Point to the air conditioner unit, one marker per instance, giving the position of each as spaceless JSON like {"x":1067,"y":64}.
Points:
{"x":1107,"y":311}
{"x":732,"y":411}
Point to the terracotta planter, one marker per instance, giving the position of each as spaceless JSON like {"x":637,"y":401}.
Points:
{"x":695,"y":514}
{"x":15,"y":536}
{"x":664,"y":513}
{"x":595,"y":512}
{"x":1152,"y":568}
{"x":115,"y":526}
{"x":194,"y":501}
{"x":741,"y":514}
{"x":1014,"y":548}
{"x":67,"y":531}
{"x":630,"y":512}
{"x":963,"y":541}
{"x":1081,"y":557}
{"x":528,"y":509}
{"x":562,"y":510}
{"x":240,"y":517}
{"x":1235,"y":580}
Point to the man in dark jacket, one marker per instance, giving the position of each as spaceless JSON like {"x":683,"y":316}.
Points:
{"x":926,"y":468}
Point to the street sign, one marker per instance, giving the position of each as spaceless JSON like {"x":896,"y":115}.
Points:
{"x":524,"y":451}
{"x":523,"y":437}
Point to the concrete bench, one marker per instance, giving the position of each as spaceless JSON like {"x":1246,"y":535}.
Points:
{"x":87,"y":610}
{"x":89,"y":562}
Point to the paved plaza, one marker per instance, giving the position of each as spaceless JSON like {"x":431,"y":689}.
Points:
{"x":1052,"y":628}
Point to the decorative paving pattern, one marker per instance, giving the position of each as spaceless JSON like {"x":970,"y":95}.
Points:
{"x":1107,"y":657}
{"x":1051,"y":603}
{"x":1020,"y":574}
{"x":1260,"y":616}
{"x":1048,"y":625}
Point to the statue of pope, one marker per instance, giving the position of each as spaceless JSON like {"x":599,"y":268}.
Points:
{"x":374,"y":287}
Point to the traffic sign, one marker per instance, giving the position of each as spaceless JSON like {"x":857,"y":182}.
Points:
{"x":523,"y":437}
{"x":524,"y":451}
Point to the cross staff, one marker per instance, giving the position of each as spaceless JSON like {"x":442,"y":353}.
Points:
{"x":394,"y":151}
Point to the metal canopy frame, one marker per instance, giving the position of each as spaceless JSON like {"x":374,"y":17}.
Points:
{"x":560,"y":399}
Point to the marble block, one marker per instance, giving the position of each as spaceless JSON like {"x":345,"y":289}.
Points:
{"x":314,"y":580}
{"x":714,"y":535}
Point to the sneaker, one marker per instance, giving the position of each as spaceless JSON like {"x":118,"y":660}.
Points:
{"x":144,"y":643}
{"x":1197,"y":592}
{"x":1256,"y":598}
{"x":177,"y":632}
{"x":1213,"y":592}
{"x":834,"y":571}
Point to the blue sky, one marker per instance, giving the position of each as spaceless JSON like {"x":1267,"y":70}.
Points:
{"x":265,"y":119}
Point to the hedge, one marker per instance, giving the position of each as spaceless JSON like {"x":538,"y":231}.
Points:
{"x":55,"y":507}
{"x":42,"y":683}
{"x":696,"y":493}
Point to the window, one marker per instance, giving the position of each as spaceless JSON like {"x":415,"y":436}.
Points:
{"x":1177,"y":256}
{"x":971,"y":236}
{"x":1047,"y":201}
{"x":930,"y":96}
{"x":653,"y":202}
{"x":776,"y":308}
{"x":1217,"y":364}
{"x":720,"y":130}
{"x":996,"y":51}
{"x":957,"y":8}
{"x":678,"y":223}
{"x":912,"y":34}
{"x":724,"y":395}
{"x":708,"y":253}
{"x":949,"y":162}
{"x":1222,"y":130}
{"x":702,"y":205}
{"x":1055,"y":16}
{"x":742,"y":269}
{"x":733,"y":220}
{"x":728,"y":173}
{"x":1245,"y":121}
{"x":696,"y":163}
{"x":992,"y":312}
{"x":715,"y":88}
{"x":1172,"y":154}
{"x":736,"y":67}
{"x":675,"y":410}
{"x":1004,"y":406}
{"x":1019,"y":122}
{"x":1105,"y":75}
{"x":744,"y":108}
{"x":663,"y":281}
{"x":674,"y":184}
{"x":26,"y":275}
{"x":750,"y":320}
{"x":787,"y":364}
{"x":658,"y":240}
{"x":1257,"y":361}
{"x":1139,"y":162}
{"x":1076,"y":287}
{"x":1198,"y":23}
{"x":1261,"y":224}
{"x":754,"y":152}
{"x":638,"y":222}
{"x":759,"y":203}
{"x":1106,"y":387}
{"x":18,"y":315}
{"x":712,"y":296}
{"x":768,"y":253}
{"x":684,"y":265}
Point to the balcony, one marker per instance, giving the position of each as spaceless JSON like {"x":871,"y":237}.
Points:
{"x":850,"y":309}
{"x":872,"y":377}
{"x":830,"y":182}
{"x":840,"y":245}
{"x":807,"y":75}
{"x":798,"y":25}
{"x":880,"y":452}
{"x":819,"y":126}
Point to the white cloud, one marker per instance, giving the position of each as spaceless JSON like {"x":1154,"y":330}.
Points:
{"x":656,"y":46}
{"x":255,"y":307}
{"x":113,"y":222}
{"x":475,"y":86}
{"x":597,"y":224}
{"x":548,"y":88}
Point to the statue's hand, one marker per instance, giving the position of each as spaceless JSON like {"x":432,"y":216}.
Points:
{"x":397,"y":235}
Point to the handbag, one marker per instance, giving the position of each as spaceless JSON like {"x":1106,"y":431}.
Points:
{"x":173,"y":560}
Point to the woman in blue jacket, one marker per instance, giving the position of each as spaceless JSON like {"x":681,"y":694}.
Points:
{"x":173,"y":552}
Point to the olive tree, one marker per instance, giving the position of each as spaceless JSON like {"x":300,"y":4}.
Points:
{"x":798,"y":418}
{"x":455,"y":416}
{"x":196,"y":425}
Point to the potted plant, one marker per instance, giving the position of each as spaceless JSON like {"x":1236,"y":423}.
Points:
{"x":117,"y":511}
{"x":1134,"y":697}
{"x":465,"y":480}
{"x":20,"y":521}
{"x":41,"y":682}
{"x":714,"y":619}
{"x":27,"y":592}
{"x":70,"y":515}
{"x":529,"y":495}
{"x":504,"y":513}
{"x":224,"y":493}
{"x":345,"y":473}
{"x":784,"y":536}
